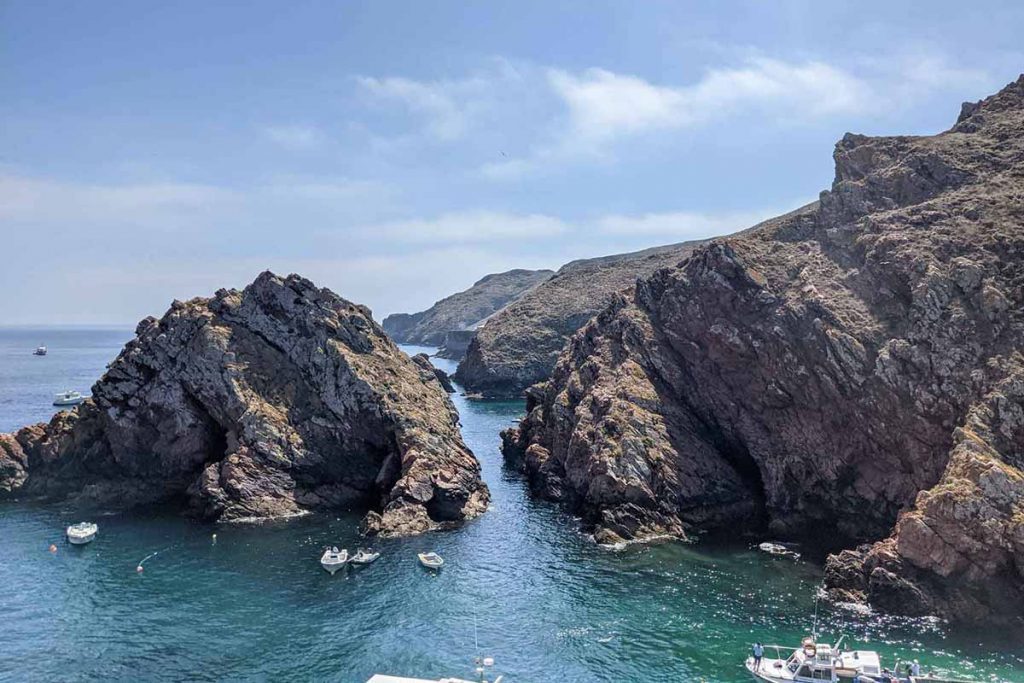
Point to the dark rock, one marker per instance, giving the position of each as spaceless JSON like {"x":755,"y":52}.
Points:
{"x":519,"y":344}
{"x":848,"y":374}
{"x":255,"y":404}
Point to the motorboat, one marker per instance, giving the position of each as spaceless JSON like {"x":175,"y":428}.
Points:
{"x":431,"y":560}
{"x":68,"y":398}
{"x":40,"y":351}
{"x":814,"y":662}
{"x":81,"y":533}
{"x":777,"y":549}
{"x":333,"y":559}
{"x":364,"y":556}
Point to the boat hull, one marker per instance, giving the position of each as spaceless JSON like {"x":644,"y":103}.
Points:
{"x":332,"y":568}
{"x":81,"y":539}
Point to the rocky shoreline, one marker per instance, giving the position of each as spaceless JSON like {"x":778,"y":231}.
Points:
{"x":255,"y":404}
{"x":849,"y":374}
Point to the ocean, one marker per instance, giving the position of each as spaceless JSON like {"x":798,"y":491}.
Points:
{"x":520,"y":584}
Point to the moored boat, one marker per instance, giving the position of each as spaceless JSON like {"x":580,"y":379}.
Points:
{"x":333,"y":559}
{"x":364,"y":556}
{"x":81,"y":533}
{"x":431,"y":560}
{"x":68,"y":398}
{"x":814,"y":662}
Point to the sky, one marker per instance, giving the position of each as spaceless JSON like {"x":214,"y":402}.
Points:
{"x":396,"y":152}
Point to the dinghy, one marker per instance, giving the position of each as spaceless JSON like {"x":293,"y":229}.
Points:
{"x":431,"y":560}
{"x":333,"y":559}
{"x":81,"y":533}
{"x":364,"y":556}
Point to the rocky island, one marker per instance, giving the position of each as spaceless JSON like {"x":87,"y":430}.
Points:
{"x":450,"y":322}
{"x":850,"y":375}
{"x":518,"y":345}
{"x":253,"y":404}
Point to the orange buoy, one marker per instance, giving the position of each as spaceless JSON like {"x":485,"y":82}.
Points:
{"x":53,"y":548}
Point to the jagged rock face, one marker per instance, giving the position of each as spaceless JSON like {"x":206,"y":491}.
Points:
{"x":518,"y":345}
{"x":846,"y":373}
{"x":463,"y":310}
{"x":256,"y":404}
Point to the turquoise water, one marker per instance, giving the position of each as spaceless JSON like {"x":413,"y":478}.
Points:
{"x":538,"y":596}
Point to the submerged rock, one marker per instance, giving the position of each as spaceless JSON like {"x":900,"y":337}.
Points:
{"x":263,"y":403}
{"x":851,"y":374}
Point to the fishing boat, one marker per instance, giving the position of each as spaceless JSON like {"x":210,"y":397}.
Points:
{"x":40,"y":351}
{"x":333,"y":559}
{"x":68,"y":398}
{"x":814,"y":662}
{"x":431,"y":560}
{"x":363,"y":556}
{"x":81,"y":533}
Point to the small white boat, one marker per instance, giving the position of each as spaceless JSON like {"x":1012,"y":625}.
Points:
{"x":333,"y":559}
{"x":40,"y":351}
{"x":431,"y":560}
{"x":81,"y":533}
{"x":778,"y":549}
{"x":68,"y":398}
{"x":364,"y":556}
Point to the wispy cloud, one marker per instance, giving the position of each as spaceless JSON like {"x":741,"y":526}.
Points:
{"x":683,"y":225}
{"x":471,"y":226}
{"x":448,"y":106}
{"x":295,"y":137}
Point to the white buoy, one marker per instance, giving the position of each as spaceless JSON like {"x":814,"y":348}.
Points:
{"x":138,"y":569}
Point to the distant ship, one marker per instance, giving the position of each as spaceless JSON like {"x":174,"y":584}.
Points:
{"x":40,"y":351}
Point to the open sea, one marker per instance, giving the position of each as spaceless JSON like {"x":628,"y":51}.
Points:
{"x":520,"y":584}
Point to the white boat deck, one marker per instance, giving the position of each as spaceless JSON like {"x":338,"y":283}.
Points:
{"x":381,"y":678}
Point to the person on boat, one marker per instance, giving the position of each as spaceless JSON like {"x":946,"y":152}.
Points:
{"x":758,"y":654}
{"x":915,"y":668}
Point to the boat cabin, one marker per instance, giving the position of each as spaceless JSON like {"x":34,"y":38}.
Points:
{"x":820,"y":663}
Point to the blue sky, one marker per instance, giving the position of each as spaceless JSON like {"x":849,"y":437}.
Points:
{"x":397,"y":151}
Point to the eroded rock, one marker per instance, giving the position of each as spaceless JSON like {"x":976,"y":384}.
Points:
{"x":848,"y":374}
{"x":260,"y":403}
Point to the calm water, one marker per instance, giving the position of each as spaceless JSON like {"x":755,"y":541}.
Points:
{"x":540,"y":598}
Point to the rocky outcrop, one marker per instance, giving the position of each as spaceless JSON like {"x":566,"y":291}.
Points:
{"x":518,"y":346}
{"x":455,"y":344}
{"x":464,"y":310}
{"x":849,"y":374}
{"x":260,"y":403}
{"x":423,"y":360}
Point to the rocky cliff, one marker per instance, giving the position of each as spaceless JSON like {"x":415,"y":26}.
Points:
{"x":518,"y":345}
{"x":463,"y":310}
{"x":262,"y":403}
{"x":851,"y":373}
